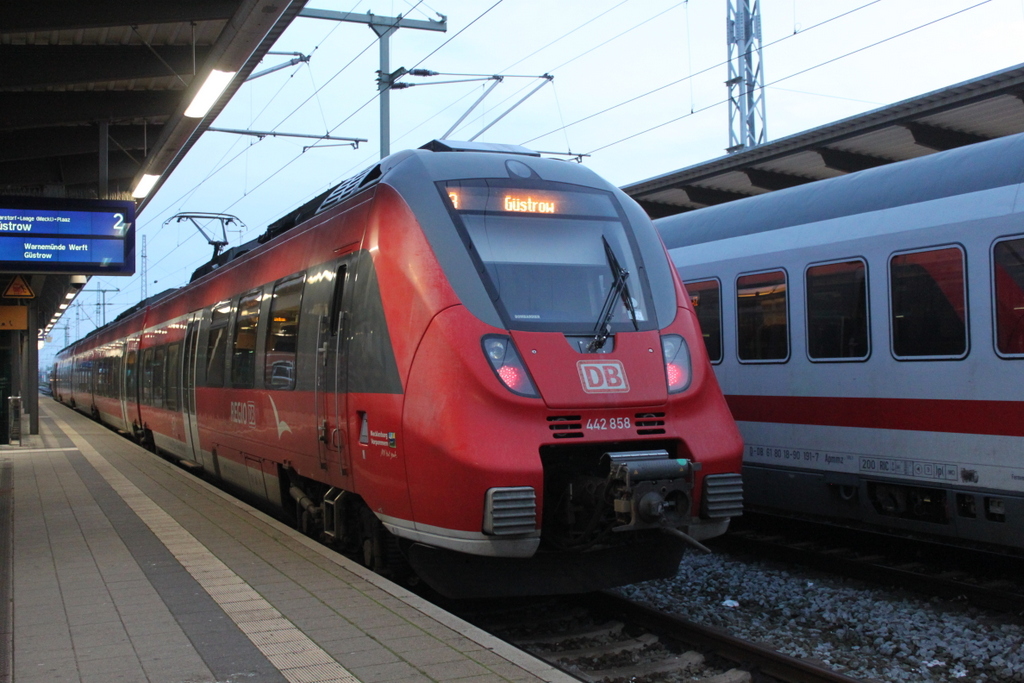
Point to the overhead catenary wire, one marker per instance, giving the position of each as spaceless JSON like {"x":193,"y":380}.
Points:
{"x":563,"y":127}
{"x":699,"y":73}
{"x":192,"y":190}
{"x":343,"y":121}
{"x":797,"y":73}
{"x":301,"y":104}
{"x":591,"y":49}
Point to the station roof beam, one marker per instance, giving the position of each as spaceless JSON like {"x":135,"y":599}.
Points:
{"x":44,"y":66}
{"x":710,"y":196}
{"x":961,"y":114}
{"x":60,"y":15}
{"x":772,"y":180}
{"x":848,"y":162}
{"x":941,"y":139}
{"x":75,"y":70}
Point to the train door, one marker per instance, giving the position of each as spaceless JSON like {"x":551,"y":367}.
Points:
{"x":332,"y":382}
{"x":122,"y":390}
{"x":188,"y":388}
{"x":130,"y":388}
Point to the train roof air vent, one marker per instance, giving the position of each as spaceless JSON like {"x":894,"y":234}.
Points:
{"x":457,"y":146}
{"x":349,"y":187}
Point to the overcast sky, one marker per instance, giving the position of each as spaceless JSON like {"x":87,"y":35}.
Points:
{"x":661,"y":61}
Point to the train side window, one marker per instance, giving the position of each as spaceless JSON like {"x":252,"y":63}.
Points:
{"x":243,"y":353}
{"x":108,"y":376}
{"x":1008,"y":273}
{"x":762,"y":318}
{"x":115,"y":372}
{"x":283,"y":333}
{"x":339,"y":290}
{"x":147,"y":377}
{"x":706,"y":297}
{"x":129,"y":376}
{"x":837,"y":311}
{"x":216,"y":345}
{"x":173,"y":375}
{"x":158,"y":379}
{"x":928,"y":302}
{"x":101,"y":377}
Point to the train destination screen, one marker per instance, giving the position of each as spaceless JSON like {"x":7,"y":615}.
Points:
{"x":67,"y":236}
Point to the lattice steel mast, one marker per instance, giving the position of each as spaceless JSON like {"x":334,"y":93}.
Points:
{"x":746,"y":75}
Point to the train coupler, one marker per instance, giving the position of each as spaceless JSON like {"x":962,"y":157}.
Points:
{"x":650,"y":489}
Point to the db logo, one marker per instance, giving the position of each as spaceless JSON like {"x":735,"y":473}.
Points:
{"x":603,"y":376}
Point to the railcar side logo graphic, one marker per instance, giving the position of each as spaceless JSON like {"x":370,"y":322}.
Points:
{"x":282,"y":426}
{"x":603,"y":376}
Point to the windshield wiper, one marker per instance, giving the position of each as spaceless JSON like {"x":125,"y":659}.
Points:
{"x":618,"y":289}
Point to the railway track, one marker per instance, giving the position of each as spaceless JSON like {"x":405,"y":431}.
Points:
{"x":926,"y":569}
{"x":605,"y":638}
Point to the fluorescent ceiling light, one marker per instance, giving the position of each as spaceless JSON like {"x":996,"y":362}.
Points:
{"x":145,"y":185}
{"x":208,"y":94}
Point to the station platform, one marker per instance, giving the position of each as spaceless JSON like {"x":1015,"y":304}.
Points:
{"x":116,"y":565}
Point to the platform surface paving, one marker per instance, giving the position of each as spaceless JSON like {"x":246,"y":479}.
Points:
{"x":116,"y":565}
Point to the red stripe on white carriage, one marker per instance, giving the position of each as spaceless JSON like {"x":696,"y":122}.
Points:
{"x":997,"y":418}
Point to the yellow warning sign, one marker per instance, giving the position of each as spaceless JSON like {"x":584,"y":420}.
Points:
{"x":13,"y":317}
{"x":19,"y":289}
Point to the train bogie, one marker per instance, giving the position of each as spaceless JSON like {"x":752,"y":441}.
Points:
{"x":477,"y":362}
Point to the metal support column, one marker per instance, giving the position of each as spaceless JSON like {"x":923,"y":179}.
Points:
{"x":103,"y":183}
{"x":384,"y":84}
{"x":383,"y":27}
{"x":746,"y":76}
{"x":30,"y":389}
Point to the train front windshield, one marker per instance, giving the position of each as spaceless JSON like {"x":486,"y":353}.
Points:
{"x":553,"y":255}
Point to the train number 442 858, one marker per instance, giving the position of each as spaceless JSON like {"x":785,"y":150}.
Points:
{"x":609,"y":423}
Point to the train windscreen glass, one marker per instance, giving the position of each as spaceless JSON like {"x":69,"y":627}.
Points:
{"x":543,"y":252}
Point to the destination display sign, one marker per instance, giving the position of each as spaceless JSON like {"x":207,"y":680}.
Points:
{"x":491,"y":197}
{"x":67,"y":236}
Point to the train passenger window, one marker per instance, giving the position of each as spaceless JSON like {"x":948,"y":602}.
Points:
{"x":129,"y":376}
{"x":173,"y":375}
{"x":928,"y":304}
{"x":283,"y":333}
{"x":243,"y":354}
{"x":706,"y":297}
{"x":1008,"y":271}
{"x":158,"y":380}
{"x":147,"y":377}
{"x":336,"y":301}
{"x":216,"y":346}
{"x":837,"y":311}
{"x":101,"y":377}
{"x":115,"y":374}
{"x":762,"y":317}
{"x":108,"y":377}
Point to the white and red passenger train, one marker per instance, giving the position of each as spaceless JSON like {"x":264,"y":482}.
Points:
{"x":467,"y":358}
{"x":868,"y":332}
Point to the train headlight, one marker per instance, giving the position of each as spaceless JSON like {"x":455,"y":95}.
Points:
{"x":508,"y":366}
{"x":677,"y":362}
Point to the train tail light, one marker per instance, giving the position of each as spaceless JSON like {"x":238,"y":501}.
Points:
{"x":678,"y":369}
{"x":508,"y":366}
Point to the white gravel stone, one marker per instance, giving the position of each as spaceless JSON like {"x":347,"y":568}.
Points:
{"x":864,"y":632}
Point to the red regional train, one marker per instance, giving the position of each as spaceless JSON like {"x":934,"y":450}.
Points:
{"x":467,"y":360}
{"x":868,"y":332}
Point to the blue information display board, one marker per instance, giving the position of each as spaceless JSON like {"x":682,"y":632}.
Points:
{"x":67,"y":236}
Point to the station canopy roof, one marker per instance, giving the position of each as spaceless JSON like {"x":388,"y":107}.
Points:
{"x":71,"y":65}
{"x":962,"y":114}
{"x":72,"y":68}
